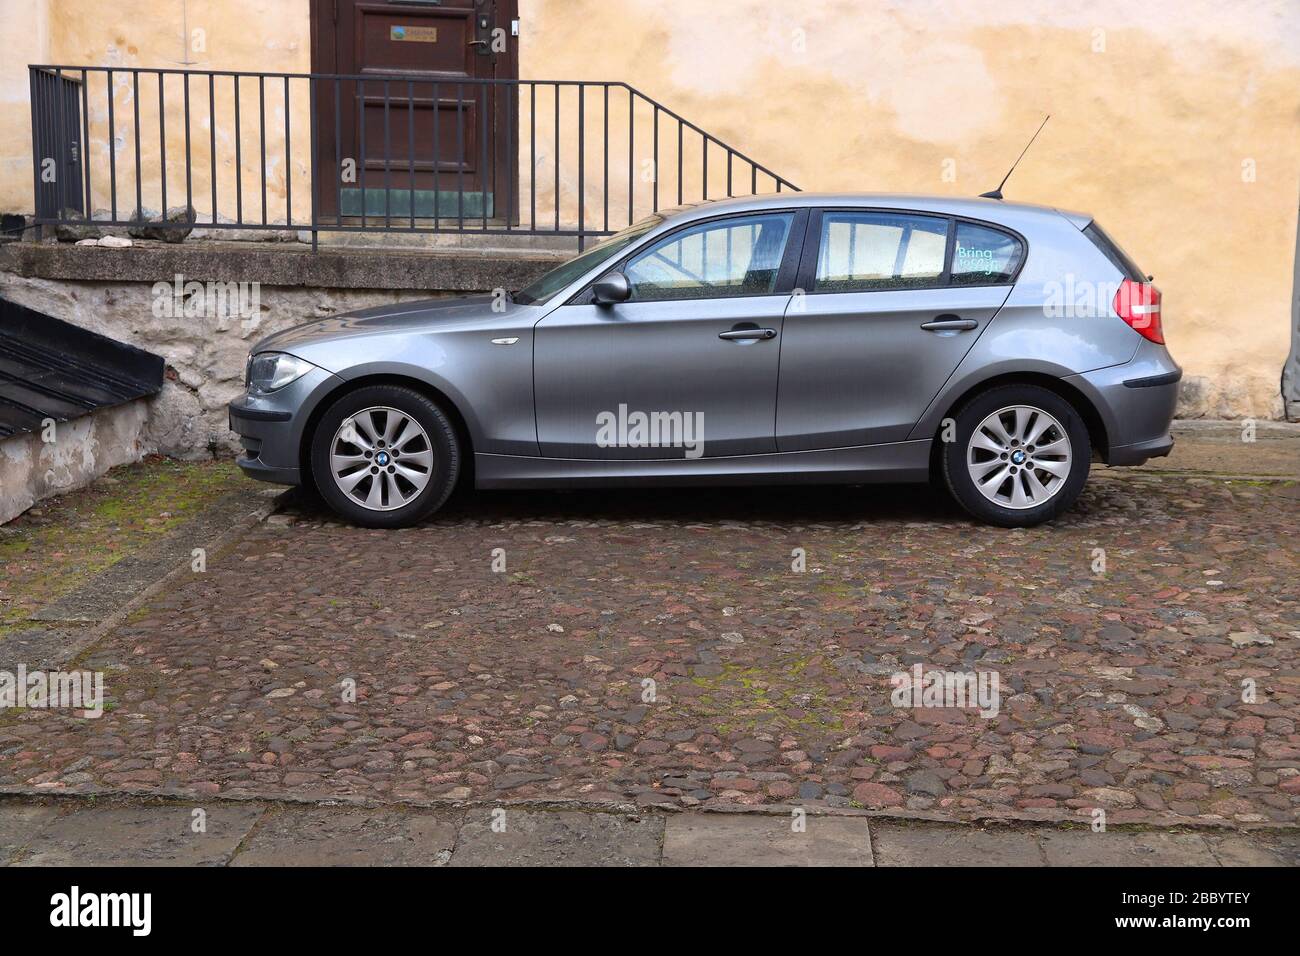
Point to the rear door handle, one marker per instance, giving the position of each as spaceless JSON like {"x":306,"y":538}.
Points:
{"x":747,"y":334}
{"x":950,"y":323}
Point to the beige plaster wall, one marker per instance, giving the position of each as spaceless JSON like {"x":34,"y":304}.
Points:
{"x":241,"y":35}
{"x":1176,"y":122}
{"x":24,"y":38}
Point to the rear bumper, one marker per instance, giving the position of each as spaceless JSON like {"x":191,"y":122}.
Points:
{"x":1139,"y":452}
{"x":1155,"y":381}
{"x":1136,"y":402}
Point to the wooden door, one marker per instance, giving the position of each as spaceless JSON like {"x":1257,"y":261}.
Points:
{"x":418,"y":135}
{"x":56,"y":109}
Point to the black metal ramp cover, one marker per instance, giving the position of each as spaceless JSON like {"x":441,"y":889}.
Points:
{"x":54,"y":369}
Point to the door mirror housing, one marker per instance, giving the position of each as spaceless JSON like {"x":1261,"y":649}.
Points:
{"x":611,"y":289}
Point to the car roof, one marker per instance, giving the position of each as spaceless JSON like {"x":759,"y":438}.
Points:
{"x":1013,"y":214}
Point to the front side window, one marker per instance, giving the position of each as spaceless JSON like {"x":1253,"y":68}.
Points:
{"x":560,"y":277}
{"x":984,"y":256}
{"x":718,"y":259}
{"x":865,"y":251}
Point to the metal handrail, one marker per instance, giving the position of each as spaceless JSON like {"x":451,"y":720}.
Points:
{"x":64,"y":95}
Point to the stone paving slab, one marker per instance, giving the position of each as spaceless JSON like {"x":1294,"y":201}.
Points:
{"x":763,"y":840}
{"x":1263,"y":850}
{"x":1117,"y":848}
{"x":905,"y":845}
{"x":20,"y":825}
{"x":141,"y":836}
{"x":257,"y":834}
{"x":40,"y":648}
{"x":1285,"y":847}
{"x":339,"y":836}
{"x":557,"y":838}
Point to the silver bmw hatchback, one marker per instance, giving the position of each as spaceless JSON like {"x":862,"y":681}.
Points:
{"x":993,"y":346}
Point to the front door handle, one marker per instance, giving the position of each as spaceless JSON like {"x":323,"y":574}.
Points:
{"x":747,"y":334}
{"x":950,"y":323}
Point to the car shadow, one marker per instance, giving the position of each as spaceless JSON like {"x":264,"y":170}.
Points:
{"x":793,"y":503}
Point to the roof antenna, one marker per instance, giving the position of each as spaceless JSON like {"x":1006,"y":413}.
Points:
{"x":997,"y":193}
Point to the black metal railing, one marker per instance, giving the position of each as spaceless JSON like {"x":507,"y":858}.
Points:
{"x":402,"y":153}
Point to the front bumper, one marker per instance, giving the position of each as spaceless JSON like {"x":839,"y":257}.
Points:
{"x":1136,"y":402}
{"x":271,"y":427}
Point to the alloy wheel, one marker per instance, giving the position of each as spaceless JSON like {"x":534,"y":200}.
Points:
{"x":1019,"y":457}
{"x":381,"y":458}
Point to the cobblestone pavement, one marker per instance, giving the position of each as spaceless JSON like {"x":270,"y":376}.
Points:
{"x":1121,"y":687}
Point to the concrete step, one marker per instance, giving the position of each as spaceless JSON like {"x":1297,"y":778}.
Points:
{"x":492,"y":242}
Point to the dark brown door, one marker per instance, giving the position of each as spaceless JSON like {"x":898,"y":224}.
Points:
{"x":418,"y":133}
{"x":56,"y":104}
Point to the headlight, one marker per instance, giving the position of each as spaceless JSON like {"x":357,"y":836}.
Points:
{"x":268,"y":371}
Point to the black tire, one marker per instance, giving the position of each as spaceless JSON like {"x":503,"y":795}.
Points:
{"x":957,"y":474}
{"x":442,"y":440}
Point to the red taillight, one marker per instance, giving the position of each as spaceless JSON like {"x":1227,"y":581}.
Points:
{"x":1138,"y":304}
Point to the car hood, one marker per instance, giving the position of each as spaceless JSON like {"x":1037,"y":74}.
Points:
{"x":429,"y":315}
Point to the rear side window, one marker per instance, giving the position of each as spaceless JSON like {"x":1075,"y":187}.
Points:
{"x":1111,"y":250}
{"x":864,"y":251}
{"x":984,"y":256}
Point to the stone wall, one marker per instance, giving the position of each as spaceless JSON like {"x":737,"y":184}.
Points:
{"x":112,"y":292}
{"x":32,"y":469}
{"x":205,"y":355}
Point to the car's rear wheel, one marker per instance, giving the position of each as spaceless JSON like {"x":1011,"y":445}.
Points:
{"x":1019,"y":456}
{"x":385,"y":456}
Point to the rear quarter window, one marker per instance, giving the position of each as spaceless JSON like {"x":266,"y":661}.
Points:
{"x":983,"y":255}
{"x":1111,"y":250}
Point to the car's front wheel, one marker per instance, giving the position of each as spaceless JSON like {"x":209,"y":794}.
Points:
{"x":385,"y":456}
{"x":1019,"y":455}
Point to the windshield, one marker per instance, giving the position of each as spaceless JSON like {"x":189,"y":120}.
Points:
{"x":562,"y":275}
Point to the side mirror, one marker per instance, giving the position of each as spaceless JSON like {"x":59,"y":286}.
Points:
{"x":611,"y":289}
